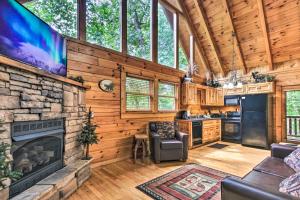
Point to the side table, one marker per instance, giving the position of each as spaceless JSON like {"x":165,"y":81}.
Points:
{"x":140,"y":140}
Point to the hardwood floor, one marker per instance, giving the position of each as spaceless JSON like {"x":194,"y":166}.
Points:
{"x":118,"y":180}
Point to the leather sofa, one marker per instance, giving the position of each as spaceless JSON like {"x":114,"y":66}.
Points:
{"x":167,"y":149}
{"x":262,"y":183}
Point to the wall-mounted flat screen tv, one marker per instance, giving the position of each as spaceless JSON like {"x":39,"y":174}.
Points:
{"x":26,"y":38}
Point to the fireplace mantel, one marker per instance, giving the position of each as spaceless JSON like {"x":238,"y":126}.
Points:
{"x":31,"y":94}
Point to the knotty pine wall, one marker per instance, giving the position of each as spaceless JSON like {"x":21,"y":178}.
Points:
{"x":95,"y":64}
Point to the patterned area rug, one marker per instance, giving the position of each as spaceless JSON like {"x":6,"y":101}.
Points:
{"x":192,"y":181}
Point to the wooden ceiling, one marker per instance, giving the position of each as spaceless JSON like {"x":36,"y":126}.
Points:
{"x":267,"y":31}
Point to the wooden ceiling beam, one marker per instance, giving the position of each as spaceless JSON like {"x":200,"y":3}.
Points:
{"x":196,"y":37}
{"x":237,"y":43}
{"x":208,"y":32}
{"x":264,"y":27}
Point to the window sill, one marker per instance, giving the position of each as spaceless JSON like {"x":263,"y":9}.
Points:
{"x":139,"y":115}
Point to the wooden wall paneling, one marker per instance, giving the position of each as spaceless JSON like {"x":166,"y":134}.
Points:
{"x":240,"y":54}
{"x":204,"y":22}
{"x":116,"y":133}
{"x":265,"y":32}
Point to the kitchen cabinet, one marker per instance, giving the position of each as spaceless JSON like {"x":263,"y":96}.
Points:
{"x":255,"y":88}
{"x":189,"y":94}
{"x":235,"y":91}
{"x":212,"y":97}
{"x":185,"y":126}
{"x":211,"y":130}
{"x":260,"y":88}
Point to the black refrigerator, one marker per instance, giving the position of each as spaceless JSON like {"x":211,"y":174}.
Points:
{"x":256,"y":126}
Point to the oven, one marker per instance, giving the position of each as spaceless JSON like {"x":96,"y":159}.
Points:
{"x":231,"y":130}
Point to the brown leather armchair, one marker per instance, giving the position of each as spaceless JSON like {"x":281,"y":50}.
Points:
{"x":174,"y":147}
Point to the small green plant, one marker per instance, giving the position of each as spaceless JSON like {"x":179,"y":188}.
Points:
{"x":88,"y":135}
{"x":77,"y":78}
{"x":5,"y":166}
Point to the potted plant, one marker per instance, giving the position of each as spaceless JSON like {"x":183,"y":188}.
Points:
{"x":88,"y":135}
{"x":6,"y":173}
{"x":192,"y":70}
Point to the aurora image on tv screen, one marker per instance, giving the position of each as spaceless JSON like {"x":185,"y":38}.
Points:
{"x":26,"y":38}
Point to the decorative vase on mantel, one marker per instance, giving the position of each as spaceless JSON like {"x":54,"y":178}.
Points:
{"x":192,"y":70}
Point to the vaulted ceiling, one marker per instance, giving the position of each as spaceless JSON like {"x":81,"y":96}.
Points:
{"x":267,"y":31}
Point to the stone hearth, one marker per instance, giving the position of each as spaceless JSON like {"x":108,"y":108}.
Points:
{"x":26,"y":96}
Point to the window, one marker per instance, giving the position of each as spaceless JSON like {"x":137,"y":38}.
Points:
{"x":293,"y":115}
{"x":166,"y":97}
{"x":138,"y":94}
{"x":183,"y":61}
{"x":103,"y":23}
{"x":60,"y":15}
{"x":165,"y":37}
{"x":138,"y":28}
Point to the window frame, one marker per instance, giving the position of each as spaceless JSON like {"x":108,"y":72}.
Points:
{"x":151,"y":94}
{"x":175,"y":97}
{"x":154,"y":84}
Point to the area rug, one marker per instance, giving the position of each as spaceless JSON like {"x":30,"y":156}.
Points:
{"x":189,"y":182}
{"x":218,"y":146}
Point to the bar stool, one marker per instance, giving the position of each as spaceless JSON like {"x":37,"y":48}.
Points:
{"x":140,"y":140}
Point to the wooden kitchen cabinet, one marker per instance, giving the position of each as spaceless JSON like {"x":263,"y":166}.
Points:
{"x":185,"y":126}
{"x":189,"y":94}
{"x":255,"y":88}
{"x":235,"y":91}
{"x":212,"y":97}
{"x":211,"y":130}
{"x":260,"y":88}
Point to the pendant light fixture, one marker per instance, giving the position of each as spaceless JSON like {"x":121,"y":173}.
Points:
{"x":233,"y":81}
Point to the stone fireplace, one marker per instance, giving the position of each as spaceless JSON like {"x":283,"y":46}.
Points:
{"x":41,"y":117}
{"x":37,"y":151}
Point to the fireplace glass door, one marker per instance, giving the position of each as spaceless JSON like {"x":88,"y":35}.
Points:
{"x":37,"y":150}
{"x":30,"y":157}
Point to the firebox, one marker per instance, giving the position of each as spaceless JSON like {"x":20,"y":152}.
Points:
{"x":37,"y":150}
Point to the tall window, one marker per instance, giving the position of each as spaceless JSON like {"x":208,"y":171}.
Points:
{"x":103,"y":23}
{"x":183,"y":61}
{"x":138,"y":28}
{"x":293,"y":115}
{"x":166,"y":97}
{"x":165,"y":37}
{"x":138,"y":94}
{"x":60,"y":15}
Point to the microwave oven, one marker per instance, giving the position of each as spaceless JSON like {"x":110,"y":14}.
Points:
{"x":232,"y":100}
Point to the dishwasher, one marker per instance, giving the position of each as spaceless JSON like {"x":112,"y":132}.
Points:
{"x":197,"y":132}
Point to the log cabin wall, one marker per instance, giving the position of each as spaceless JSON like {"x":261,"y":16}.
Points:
{"x":95,"y":64}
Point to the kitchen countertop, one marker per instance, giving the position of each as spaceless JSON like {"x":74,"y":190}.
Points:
{"x":200,"y":119}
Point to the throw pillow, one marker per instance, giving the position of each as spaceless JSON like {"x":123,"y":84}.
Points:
{"x":166,"y":130}
{"x":293,"y":160}
{"x":291,"y":185}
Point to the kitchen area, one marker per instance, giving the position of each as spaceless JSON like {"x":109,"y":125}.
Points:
{"x":240,"y":115}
